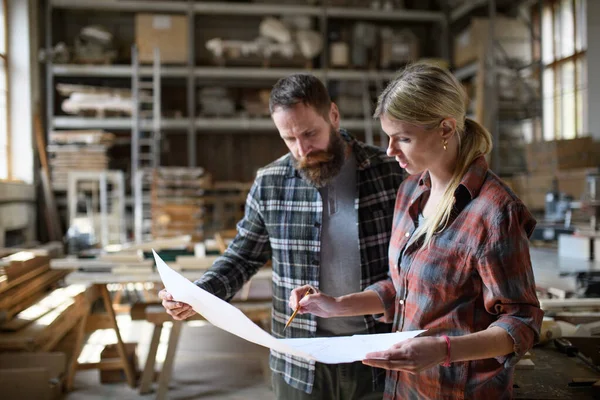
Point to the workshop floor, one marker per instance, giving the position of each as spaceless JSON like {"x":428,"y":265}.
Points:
{"x":210,"y":364}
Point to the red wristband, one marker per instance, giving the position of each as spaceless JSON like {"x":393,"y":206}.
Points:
{"x":447,"y":362}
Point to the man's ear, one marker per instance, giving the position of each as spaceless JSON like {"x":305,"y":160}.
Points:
{"x":334,"y":116}
{"x":447,"y":128}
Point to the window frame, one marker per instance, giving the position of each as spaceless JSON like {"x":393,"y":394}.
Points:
{"x":556,"y":65}
{"x":5,"y":58}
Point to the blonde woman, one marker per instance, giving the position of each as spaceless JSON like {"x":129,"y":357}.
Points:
{"x":459,"y":255}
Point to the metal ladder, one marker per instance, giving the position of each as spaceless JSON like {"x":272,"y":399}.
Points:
{"x":145,"y":140}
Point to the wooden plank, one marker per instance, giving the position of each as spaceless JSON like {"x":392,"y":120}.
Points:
{"x":6,"y":316}
{"x":42,"y":307}
{"x":44,"y":333}
{"x":195,"y":263}
{"x":27,"y":289}
{"x":77,"y":346}
{"x":570,"y":304}
{"x":149,"y":373}
{"x":123,"y":257}
{"x":167,"y":369}
{"x":5,"y":285}
{"x":120,"y":346}
{"x":98,"y":321}
{"x":162,"y":243}
{"x":71,"y":263}
{"x":52,"y":219}
{"x":20,"y":263}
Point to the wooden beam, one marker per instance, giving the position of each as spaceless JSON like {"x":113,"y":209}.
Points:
{"x":78,"y":345}
{"x":45,"y":333}
{"x":120,"y":345}
{"x":21,"y":292}
{"x":98,"y":321}
{"x":6,"y":284}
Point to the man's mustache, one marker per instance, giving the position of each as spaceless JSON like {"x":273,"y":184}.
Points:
{"x":316,"y":157}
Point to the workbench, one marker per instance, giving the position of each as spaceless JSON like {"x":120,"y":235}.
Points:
{"x":552,"y":375}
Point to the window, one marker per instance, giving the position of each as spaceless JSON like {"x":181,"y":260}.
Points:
{"x":564,"y":43}
{"x":4,"y":135}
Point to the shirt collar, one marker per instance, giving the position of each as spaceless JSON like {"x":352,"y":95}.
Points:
{"x":472,"y":180}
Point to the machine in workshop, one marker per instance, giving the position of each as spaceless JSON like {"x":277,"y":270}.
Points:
{"x":575,"y":224}
{"x":584,"y":242}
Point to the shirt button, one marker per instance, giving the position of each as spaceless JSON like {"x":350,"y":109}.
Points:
{"x":401,"y":302}
{"x":317,"y":224}
{"x":315,"y":262}
{"x":406,"y":234}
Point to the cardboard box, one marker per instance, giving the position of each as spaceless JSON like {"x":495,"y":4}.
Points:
{"x":118,"y":375}
{"x":573,"y":182}
{"x":512,"y":34}
{"x":559,"y":155}
{"x":169,"y":33}
{"x":532,"y":188}
{"x":32,"y":375}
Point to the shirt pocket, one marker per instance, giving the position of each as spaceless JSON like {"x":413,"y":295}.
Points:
{"x":442,"y":271}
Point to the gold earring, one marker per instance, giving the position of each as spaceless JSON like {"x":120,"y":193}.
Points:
{"x":445,"y":143}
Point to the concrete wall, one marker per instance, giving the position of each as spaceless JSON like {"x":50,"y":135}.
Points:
{"x":17,"y":210}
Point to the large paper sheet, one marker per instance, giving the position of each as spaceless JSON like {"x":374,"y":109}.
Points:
{"x":332,"y":350}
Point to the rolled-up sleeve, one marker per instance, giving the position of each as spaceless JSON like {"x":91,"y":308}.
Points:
{"x":387,"y":294}
{"x":508,"y":281}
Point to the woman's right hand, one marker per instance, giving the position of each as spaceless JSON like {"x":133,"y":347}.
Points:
{"x":315,"y":302}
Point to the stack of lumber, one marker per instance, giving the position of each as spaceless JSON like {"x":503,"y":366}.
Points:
{"x":177,"y":202}
{"x":77,"y":150}
{"x":81,"y":137}
{"x":34,"y":314}
{"x":224,"y":203}
{"x":65,"y":158}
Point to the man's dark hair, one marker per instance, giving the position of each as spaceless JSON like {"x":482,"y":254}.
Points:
{"x":300,"y":88}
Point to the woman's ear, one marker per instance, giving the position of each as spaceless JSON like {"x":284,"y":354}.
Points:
{"x":447,"y":128}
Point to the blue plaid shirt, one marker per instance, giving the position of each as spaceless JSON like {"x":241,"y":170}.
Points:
{"x":282,"y":222}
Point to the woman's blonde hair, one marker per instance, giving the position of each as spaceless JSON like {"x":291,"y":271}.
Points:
{"x":424,"y":94}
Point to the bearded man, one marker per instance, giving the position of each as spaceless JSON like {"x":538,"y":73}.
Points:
{"x":323,"y":214}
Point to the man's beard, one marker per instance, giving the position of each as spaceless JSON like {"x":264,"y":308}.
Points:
{"x":320,"y":167}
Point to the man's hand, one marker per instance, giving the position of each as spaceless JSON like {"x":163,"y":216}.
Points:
{"x":178,"y":310}
{"x":412,"y":355}
{"x":316,"y":303}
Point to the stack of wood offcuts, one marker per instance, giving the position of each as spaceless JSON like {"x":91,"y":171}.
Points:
{"x":36,"y":318}
{"x":77,"y":150}
{"x":177,"y":202}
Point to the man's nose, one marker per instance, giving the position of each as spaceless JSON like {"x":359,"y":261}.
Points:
{"x":303,"y":148}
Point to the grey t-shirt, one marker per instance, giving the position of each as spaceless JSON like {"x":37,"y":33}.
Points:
{"x":340,"y":271}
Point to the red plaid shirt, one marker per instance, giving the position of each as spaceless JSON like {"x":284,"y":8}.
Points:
{"x":475,"y":274}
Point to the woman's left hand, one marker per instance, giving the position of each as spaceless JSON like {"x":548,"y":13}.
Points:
{"x":412,"y":355}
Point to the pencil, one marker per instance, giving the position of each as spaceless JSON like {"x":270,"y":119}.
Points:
{"x":295,"y":311}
